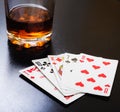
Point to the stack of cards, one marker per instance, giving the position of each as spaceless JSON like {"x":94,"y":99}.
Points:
{"x":69,"y":76}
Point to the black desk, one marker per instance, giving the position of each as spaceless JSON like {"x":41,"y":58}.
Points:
{"x":88,"y":26}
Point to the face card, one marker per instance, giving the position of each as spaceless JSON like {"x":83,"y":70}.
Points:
{"x":45,"y":67}
{"x":33,"y":74}
{"x":89,"y":74}
{"x":59,"y":60}
{"x":57,"y":64}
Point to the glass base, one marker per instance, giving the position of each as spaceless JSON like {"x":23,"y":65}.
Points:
{"x":27,"y":43}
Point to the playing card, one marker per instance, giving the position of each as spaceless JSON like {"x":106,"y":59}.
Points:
{"x":89,"y":74}
{"x":57,"y":60}
{"x":45,"y":67}
{"x":57,"y":65}
{"x":34,"y":74}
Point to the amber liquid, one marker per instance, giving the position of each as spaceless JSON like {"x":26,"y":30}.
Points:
{"x":29,"y":22}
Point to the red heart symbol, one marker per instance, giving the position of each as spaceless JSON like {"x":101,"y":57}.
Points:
{"x":106,"y":63}
{"x":81,"y":61}
{"x":79,"y":84}
{"x":96,"y":67}
{"x":107,"y":85}
{"x":91,"y":79}
{"x":102,"y":75}
{"x":90,"y":60}
{"x":32,"y":77}
{"x":58,"y":59}
{"x":54,"y":63}
{"x":98,"y":88}
{"x":32,"y":69}
{"x":68,"y":97}
{"x":84,"y":71}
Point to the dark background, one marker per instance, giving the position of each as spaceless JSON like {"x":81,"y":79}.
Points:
{"x":80,"y":26}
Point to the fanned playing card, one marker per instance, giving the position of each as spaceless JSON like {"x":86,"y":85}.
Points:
{"x":55,"y":60}
{"x":34,"y":74}
{"x":45,"y":67}
{"x":68,"y":76}
{"x":89,"y":74}
{"x":57,"y":65}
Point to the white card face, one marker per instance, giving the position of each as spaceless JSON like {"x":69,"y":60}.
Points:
{"x":45,"y":67}
{"x":89,"y":74}
{"x":33,"y":74}
{"x":57,"y":65}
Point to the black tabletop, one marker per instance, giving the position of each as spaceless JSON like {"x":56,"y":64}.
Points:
{"x":80,"y":26}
